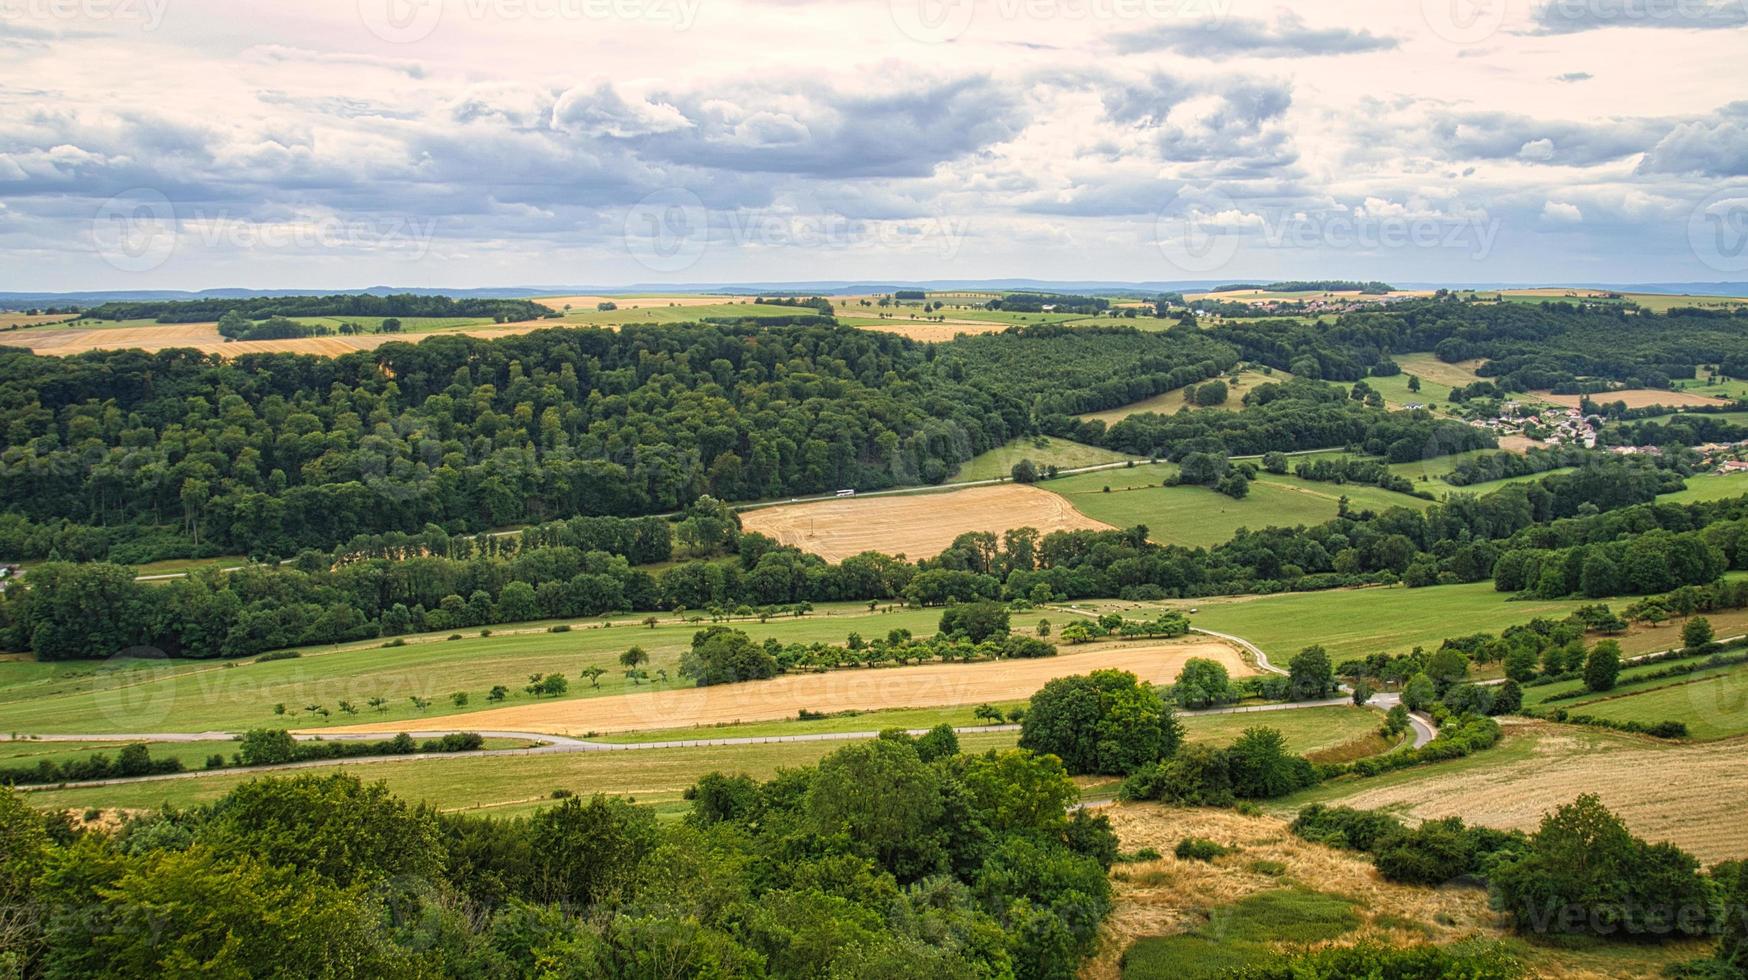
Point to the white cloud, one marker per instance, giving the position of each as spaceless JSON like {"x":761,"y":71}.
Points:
{"x":1562,"y":213}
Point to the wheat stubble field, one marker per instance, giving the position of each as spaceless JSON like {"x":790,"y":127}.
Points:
{"x":918,"y":525}
{"x":929,"y":685}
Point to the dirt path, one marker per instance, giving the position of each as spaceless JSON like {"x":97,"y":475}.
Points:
{"x":927,"y":686}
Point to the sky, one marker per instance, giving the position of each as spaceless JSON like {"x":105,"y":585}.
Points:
{"x":188,"y":144}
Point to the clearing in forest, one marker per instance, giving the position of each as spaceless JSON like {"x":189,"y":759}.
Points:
{"x":922,"y":686}
{"x":919,"y":525}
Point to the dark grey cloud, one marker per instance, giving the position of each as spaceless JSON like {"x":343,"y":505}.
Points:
{"x":1287,"y":36}
{"x":1573,"y":16}
{"x":825,"y":133}
{"x":1510,"y":136}
{"x":1238,"y":124}
{"x":1715,"y":146}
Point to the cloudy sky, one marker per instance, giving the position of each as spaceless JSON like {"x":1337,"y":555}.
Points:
{"x":347,"y":143}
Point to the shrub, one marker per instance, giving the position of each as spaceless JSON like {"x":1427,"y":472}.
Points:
{"x":1262,"y":768}
{"x":1199,"y":849}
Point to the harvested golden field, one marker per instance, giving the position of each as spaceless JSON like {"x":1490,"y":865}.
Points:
{"x":1689,"y":794}
{"x":1168,"y":896}
{"x":919,"y":525}
{"x":925,"y":332}
{"x":22,"y":320}
{"x":1636,"y":398}
{"x":926,"y":686}
{"x":205,"y":337}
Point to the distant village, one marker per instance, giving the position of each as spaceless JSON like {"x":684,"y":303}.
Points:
{"x":1556,"y":426}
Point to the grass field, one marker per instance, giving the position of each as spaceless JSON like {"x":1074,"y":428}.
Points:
{"x":1394,"y":388}
{"x":1427,"y":367}
{"x":1201,"y":517}
{"x":1355,"y":622}
{"x":917,"y":525}
{"x":1170,"y":402}
{"x":1306,"y":729}
{"x":506,"y":785}
{"x":783,"y":697}
{"x":658,"y":311}
{"x":190,"y":695}
{"x":1708,"y":486}
{"x":655,"y":776}
{"x":1712,"y":703}
{"x":1686,"y":793}
{"x":1042,"y":450}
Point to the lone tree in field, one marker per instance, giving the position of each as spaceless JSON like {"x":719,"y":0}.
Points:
{"x":1603,"y":667}
{"x":1697,"y":632}
{"x":593,"y":673}
{"x":1104,"y":723}
{"x":1310,"y":674}
{"x":1025,"y":471}
{"x":633,"y":658}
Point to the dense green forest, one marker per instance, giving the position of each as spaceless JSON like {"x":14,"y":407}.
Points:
{"x":897,"y":857}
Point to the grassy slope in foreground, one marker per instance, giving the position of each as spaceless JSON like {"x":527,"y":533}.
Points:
{"x":1686,"y":793}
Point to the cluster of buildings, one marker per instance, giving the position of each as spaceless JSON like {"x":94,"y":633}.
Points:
{"x":1550,"y":425}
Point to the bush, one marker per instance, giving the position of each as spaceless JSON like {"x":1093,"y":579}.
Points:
{"x":1199,"y":849}
{"x":1262,"y":768}
{"x":1603,"y":667}
{"x":1584,"y":873}
{"x":1345,"y":827}
{"x":1197,"y":776}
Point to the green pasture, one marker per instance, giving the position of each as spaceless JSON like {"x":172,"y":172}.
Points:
{"x":1201,"y":517}
{"x":125,"y":695}
{"x":998,"y":463}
